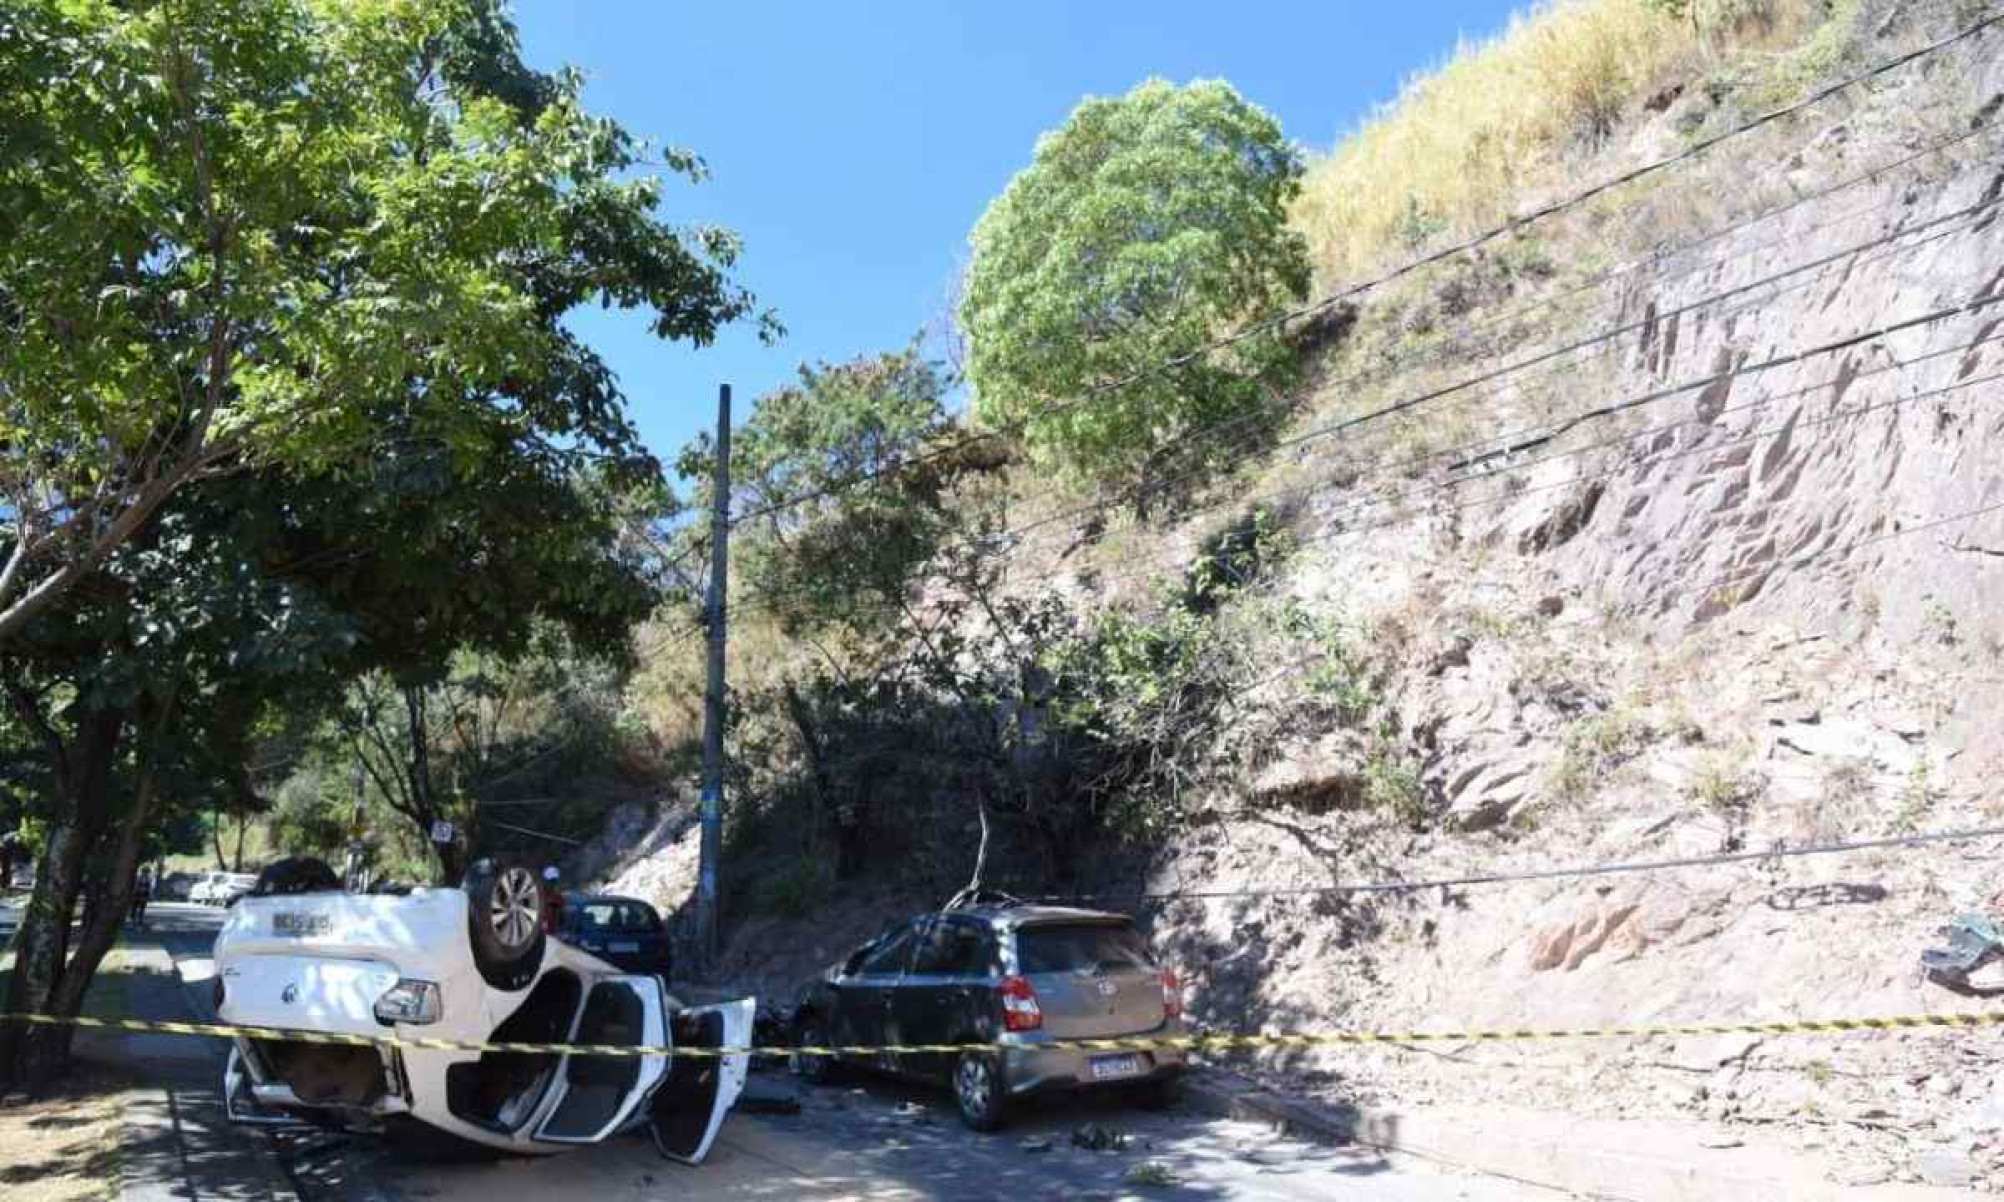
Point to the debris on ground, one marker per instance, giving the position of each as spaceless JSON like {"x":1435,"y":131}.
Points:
{"x":1151,"y":1172}
{"x":1035,"y":1143}
{"x":1974,"y":941}
{"x":751,"y":1102}
{"x":1096,"y":1137}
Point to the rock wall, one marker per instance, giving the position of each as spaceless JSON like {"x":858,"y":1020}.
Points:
{"x":1762,"y":609}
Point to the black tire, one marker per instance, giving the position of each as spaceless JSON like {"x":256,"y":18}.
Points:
{"x":1161,"y":1093}
{"x":979,"y":1092}
{"x":812,"y":1031}
{"x":504,"y":922}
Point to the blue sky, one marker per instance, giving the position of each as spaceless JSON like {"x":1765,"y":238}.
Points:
{"x":853,"y":145}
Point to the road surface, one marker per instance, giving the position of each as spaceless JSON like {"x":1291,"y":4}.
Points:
{"x":864,"y":1139}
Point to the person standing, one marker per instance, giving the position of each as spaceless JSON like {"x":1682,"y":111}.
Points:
{"x":142,"y":892}
{"x":553,"y":900}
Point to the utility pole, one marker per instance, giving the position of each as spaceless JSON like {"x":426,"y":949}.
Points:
{"x":713,"y":693}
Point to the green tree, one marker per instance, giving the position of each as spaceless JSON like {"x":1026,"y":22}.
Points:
{"x":286,"y":400}
{"x":852,"y":481}
{"x":1144,"y":228}
{"x":230,"y":228}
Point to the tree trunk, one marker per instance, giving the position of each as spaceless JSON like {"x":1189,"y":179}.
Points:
{"x":32,"y":1055}
{"x":237,"y":862}
{"x":216,"y":836}
{"x":109,"y":914}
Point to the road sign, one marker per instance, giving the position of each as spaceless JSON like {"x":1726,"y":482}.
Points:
{"x":441,"y":831}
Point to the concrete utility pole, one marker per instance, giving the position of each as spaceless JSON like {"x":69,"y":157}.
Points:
{"x":713,"y":693}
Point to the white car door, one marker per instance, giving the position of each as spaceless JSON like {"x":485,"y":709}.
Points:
{"x":699,"y":1090}
{"x":596,"y":1095}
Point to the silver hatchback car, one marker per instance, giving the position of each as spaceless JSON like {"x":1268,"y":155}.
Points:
{"x":1021,"y":978}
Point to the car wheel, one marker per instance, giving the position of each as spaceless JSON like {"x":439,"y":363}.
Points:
{"x":978,"y":1091}
{"x":815,"y":1070}
{"x":504,"y":919}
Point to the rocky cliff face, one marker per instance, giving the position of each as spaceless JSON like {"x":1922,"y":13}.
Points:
{"x":1760,"y":605}
{"x":1698,"y":551}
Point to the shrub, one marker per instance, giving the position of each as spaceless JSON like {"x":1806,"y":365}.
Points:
{"x":1593,"y":747}
{"x":1392,"y":784}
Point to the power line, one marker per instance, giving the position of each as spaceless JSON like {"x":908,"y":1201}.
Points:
{"x":1504,"y":371}
{"x":1007,"y":542}
{"x":1590,"y":477}
{"x":1779,"y":851}
{"x":1446,"y":348}
{"x":523,"y":830}
{"x":1512,"y":225}
{"x":1550,"y":431}
{"x":1531,"y":439}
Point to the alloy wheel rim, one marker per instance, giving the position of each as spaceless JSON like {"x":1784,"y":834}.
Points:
{"x":803,"y":1064}
{"x":514,"y":908}
{"x":974,"y":1086}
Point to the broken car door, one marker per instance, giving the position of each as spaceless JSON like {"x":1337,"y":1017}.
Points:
{"x":597,"y":1094}
{"x":699,"y":1090}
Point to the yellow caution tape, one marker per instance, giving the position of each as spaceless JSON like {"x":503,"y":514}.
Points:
{"x":1184,"y":1043}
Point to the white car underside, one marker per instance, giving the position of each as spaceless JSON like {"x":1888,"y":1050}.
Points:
{"x":339,"y":963}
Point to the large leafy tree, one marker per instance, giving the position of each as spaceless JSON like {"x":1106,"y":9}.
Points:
{"x":1145,"y":227}
{"x":286,"y":399}
{"x":230,"y":228}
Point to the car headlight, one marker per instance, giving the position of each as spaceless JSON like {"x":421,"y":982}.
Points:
{"x":408,"y":1001}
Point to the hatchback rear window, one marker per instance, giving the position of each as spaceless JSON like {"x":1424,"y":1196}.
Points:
{"x":1080,"y":948}
{"x":617,"y":916}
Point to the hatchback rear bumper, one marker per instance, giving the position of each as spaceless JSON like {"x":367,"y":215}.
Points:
{"x":1031,"y":1065}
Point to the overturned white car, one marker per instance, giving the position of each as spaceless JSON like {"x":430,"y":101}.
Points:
{"x":469,"y":965}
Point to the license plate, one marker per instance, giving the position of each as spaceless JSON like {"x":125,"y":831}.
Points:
{"x":287,"y":922}
{"x":1107,"y":1068}
{"x":622,"y":945}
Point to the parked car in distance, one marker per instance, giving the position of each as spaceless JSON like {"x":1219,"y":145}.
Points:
{"x":233,"y":886}
{"x":174,"y":886}
{"x":622,"y":931}
{"x":463,"y":966}
{"x":1001,"y":972}
{"x":202,"y":892}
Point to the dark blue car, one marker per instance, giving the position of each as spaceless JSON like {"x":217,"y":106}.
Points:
{"x":625,"y":932}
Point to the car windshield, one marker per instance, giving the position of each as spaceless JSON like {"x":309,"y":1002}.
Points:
{"x":1080,"y":948}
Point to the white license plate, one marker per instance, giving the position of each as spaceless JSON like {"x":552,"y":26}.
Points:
{"x":1107,"y":1068}
{"x":622,"y":945}
{"x":287,"y":922}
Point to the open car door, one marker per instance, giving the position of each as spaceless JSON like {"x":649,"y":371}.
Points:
{"x":699,"y":1090}
{"x":598,"y":1094}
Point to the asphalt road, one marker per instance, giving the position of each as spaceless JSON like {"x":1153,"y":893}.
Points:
{"x":864,"y":1139}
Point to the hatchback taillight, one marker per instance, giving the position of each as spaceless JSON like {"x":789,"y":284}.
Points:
{"x":1020,"y":1011}
{"x":1172,"y":995}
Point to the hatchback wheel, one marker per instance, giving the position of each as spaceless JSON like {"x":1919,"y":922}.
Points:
{"x":978,"y":1090}
{"x":815,"y":1070}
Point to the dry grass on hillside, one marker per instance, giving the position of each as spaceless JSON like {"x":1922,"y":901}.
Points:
{"x":1505,"y":119}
